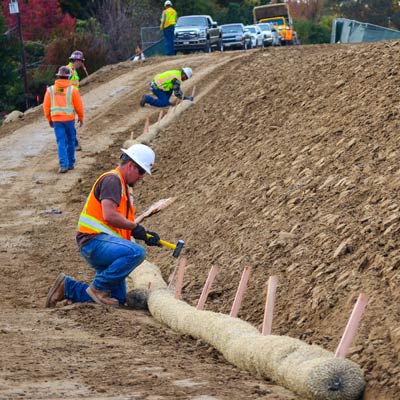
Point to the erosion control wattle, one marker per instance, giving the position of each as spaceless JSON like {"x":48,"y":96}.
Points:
{"x":308,"y":370}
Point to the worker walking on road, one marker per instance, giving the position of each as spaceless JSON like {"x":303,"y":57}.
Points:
{"x":105,"y":227}
{"x":61,"y":103}
{"x":164,"y":84}
{"x":76,"y":61}
{"x":167,"y":25}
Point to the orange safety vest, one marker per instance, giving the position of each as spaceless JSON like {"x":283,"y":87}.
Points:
{"x":289,"y":35}
{"x":91,"y":219}
{"x":61,"y":101}
{"x":170,"y":17}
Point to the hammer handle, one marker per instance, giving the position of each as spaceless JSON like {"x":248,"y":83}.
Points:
{"x":164,"y":243}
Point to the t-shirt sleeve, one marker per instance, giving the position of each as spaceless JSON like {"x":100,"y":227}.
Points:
{"x":108,"y":187}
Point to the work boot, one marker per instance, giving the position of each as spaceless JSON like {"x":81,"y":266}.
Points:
{"x":101,"y":297}
{"x":62,"y":170}
{"x":143,"y":101}
{"x":56,"y":292}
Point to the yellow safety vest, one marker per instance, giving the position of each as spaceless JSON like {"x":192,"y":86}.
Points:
{"x":170,"y":17}
{"x":74,"y":76}
{"x":164,"y":80}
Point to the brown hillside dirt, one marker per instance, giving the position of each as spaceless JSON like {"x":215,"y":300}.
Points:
{"x":288,"y":162}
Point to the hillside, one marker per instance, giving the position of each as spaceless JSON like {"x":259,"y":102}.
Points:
{"x":288,"y":163}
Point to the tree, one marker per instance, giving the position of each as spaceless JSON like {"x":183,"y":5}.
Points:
{"x":41,"y":19}
{"x":11,"y":87}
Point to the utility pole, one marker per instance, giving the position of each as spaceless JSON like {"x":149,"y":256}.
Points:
{"x":15,"y":10}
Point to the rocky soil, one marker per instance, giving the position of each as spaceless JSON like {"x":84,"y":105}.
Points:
{"x":288,"y":162}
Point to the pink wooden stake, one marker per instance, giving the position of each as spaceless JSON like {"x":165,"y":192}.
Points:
{"x":179,"y":277}
{"x":352,"y":326}
{"x":206,"y":289}
{"x":146,"y":126}
{"x":240,"y":292}
{"x":269,"y":305}
{"x":172,"y":277}
{"x":160,"y":116}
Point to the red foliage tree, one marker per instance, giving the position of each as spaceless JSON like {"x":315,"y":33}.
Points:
{"x":40,"y":19}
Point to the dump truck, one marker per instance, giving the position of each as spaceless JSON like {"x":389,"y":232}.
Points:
{"x":277,"y":14}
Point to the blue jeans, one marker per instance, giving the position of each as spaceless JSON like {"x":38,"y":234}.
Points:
{"x":113,"y":259}
{"x":66,"y":137}
{"x":169,"y":40}
{"x":162,"y":99}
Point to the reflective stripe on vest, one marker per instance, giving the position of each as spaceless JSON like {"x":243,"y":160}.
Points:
{"x":74,"y":76}
{"x":164,"y":80}
{"x":170,"y":17}
{"x":60,"y":109}
{"x":91,"y":218}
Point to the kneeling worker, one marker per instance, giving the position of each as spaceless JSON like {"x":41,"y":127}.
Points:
{"x":105,"y":227}
{"x":164,"y":84}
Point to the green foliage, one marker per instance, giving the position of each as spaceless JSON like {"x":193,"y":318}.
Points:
{"x":313,"y":33}
{"x":11,"y":84}
{"x":193,"y":7}
{"x":235,"y":12}
{"x":34,"y":51}
{"x":95,"y":50}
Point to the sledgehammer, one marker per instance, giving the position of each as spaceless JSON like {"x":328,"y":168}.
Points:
{"x":177,"y":248}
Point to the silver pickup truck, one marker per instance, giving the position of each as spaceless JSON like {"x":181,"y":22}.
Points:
{"x":197,"y":32}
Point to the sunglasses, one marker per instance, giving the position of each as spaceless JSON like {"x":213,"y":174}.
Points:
{"x":140,"y":169}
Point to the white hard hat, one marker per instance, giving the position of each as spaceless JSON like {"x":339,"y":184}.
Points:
{"x":64,"y":72}
{"x":188,"y":72}
{"x":167,"y":3}
{"x":142,"y":155}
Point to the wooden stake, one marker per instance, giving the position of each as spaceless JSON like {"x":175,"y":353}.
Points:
{"x":206,"y":289}
{"x":146,"y":126}
{"x":172,"y":277}
{"x":352,"y":326}
{"x":193,"y":91}
{"x":179,"y":278}
{"x":160,"y":116}
{"x":131,"y":135}
{"x":269,"y":305}
{"x":240,"y":292}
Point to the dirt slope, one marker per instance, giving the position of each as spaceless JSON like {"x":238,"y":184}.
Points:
{"x":288,"y":162}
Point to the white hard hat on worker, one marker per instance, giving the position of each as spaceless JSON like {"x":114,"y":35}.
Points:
{"x":142,"y":155}
{"x":167,"y":4}
{"x":188,"y":72}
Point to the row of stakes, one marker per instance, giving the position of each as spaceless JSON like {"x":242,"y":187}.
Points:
{"x":170,"y":111}
{"x":176,"y":281}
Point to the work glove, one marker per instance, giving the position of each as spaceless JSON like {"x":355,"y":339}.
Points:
{"x":154,"y":240}
{"x":51,"y":124}
{"x":139,"y":233}
{"x":189,"y":98}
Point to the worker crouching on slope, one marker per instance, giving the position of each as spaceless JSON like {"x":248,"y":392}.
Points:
{"x":105,"y":228}
{"x":61,"y":102}
{"x":164,"y":84}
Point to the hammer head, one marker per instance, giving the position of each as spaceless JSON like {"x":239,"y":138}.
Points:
{"x":178,"y":248}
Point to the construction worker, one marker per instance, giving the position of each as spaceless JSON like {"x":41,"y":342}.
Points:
{"x":104,"y":232}
{"x":76,"y":61}
{"x":164,"y":84}
{"x":61,"y":103}
{"x":167,"y":25}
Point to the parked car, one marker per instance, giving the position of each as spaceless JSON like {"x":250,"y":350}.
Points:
{"x":235,"y":36}
{"x":256,"y":35}
{"x":197,"y":32}
{"x":271,"y":37}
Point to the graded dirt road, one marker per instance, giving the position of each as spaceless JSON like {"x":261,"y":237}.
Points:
{"x":288,"y":162}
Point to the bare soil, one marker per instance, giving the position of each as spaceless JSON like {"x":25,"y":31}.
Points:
{"x":288,"y":162}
